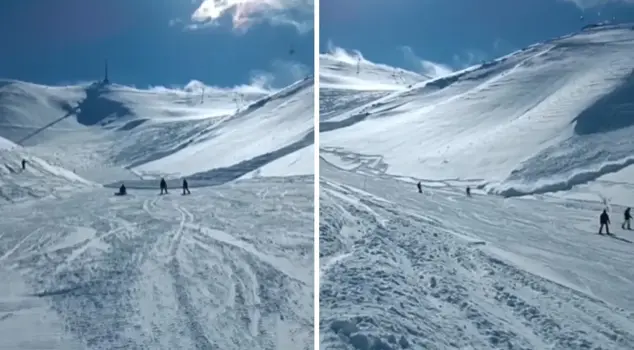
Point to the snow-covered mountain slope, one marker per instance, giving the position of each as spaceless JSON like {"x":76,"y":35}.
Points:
{"x":347,"y":80}
{"x":438,"y":270}
{"x":115,"y":132}
{"x":342,"y":70}
{"x":227,"y":267}
{"x":544,"y":119}
{"x":269,"y":129}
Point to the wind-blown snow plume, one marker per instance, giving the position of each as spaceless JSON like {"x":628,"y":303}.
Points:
{"x":425,"y":67}
{"x":246,"y":13}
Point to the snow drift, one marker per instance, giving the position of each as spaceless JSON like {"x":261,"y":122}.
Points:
{"x":546,"y":118}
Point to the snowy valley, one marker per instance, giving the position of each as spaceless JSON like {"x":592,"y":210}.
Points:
{"x":228,"y":267}
{"x":543,"y":136}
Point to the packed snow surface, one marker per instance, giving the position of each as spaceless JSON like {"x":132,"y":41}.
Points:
{"x":229,"y":266}
{"x":439,"y":270}
{"x":544,"y":119}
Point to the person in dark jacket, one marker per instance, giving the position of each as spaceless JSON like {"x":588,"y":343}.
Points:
{"x":468,"y":191}
{"x":185,"y":187}
{"x":628,"y":219}
{"x":420,"y":187}
{"x":163,"y":186}
{"x":604,"y":220}
{"x":23,"y":164}
{"x":122,"y":191}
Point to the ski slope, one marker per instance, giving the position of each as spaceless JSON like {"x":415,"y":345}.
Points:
{"x":543,"y":135}
{"x":545,"y":119}
{"x":438,"y":270}
{"x":119,"y":132}
{"x":228,"y":267}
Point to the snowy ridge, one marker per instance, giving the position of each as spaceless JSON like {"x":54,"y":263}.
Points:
{"x":543,"y":119}
{"x":402,"y":270}
{"x":342,"y":70}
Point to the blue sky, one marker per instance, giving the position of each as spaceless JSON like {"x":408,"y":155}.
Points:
{"x":156,"y":42}
{"x":454,"y":33}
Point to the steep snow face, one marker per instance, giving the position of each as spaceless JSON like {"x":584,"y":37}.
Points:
{"x":439,"y":270}
{"x":269,"y":129}
{"x":543,"y":119}
{"x":108,"y":133}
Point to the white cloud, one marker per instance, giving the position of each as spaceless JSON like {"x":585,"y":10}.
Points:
{"x":425,"y":67}
{"x":245,"y":13}
{"x":588,"y":4}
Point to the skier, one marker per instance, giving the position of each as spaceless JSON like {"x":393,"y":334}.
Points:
{"x":163,"y":186}
{"x":420,"y":187}
{"x":628,"y":218}
{"x":122,"y":191}
{"x":604,"y":220}
{"x":23,"y":164}
{"x":185,"y":187}
{"x":468,"y":191}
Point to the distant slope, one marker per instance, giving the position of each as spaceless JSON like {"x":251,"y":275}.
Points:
{"x":341,"y":70}
{"x":348,"y":81}
{"x":543,"y":119}
{"x":111,"y":133}
{"x":38,"y":180}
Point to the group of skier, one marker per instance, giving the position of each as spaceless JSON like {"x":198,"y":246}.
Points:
{"x":604,"y":218}
{"x":604,"y":221}
{"x":162,"y":186}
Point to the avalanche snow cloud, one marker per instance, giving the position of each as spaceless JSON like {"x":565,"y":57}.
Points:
{"x":228,"y":267}
{"x":501,"y":269}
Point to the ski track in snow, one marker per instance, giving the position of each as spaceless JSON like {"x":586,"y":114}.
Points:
{"x":167,"y":272}
{"x":439,"y":270}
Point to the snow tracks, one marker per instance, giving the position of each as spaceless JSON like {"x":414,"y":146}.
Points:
{"x":396,"y":278}
{"x":223,"y":268}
